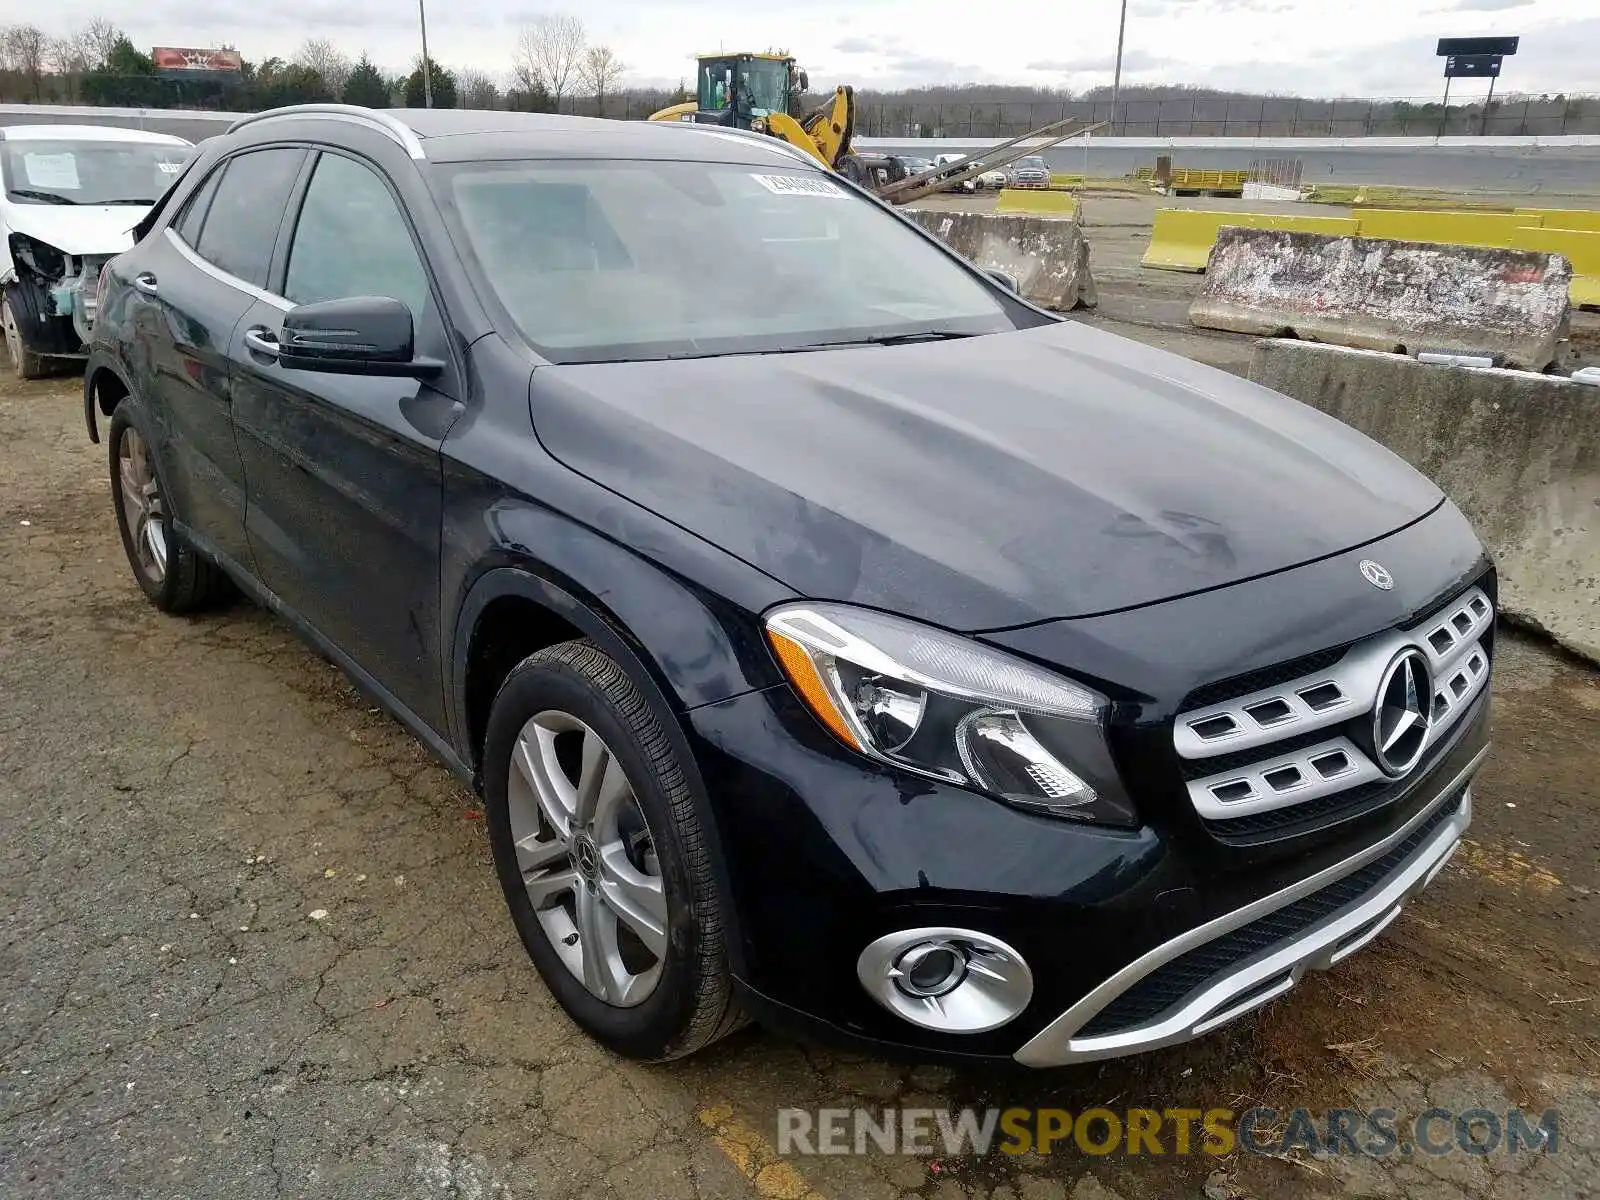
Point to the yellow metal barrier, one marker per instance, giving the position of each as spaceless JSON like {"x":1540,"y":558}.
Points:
{"x":1446,"y":228}
{"x":1181,"y":238}
{"x":1044,"y":203}
{"x":1581,"y":247}
{"x":1562,"y":218}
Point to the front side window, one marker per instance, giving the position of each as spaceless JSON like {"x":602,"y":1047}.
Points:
{"x":618,"y":260}
{"x":69,"y":171}
{"x":350,"y":240}
{"x":242,"y":221}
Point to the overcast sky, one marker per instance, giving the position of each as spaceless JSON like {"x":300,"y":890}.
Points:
{"x":1313,"y":47}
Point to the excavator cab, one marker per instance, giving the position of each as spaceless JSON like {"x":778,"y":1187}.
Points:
{"x":761,"y":92}
{"x":744,"y":90}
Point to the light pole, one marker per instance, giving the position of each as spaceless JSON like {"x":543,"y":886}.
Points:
{"x":1116,"y":77}
{"x":427,"y":69}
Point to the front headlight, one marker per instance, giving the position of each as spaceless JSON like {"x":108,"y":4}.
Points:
{"x":949,"y":708}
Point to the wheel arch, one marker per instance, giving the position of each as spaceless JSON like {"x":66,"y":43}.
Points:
{"x":544,"y":613}
{"x":103,"y":389}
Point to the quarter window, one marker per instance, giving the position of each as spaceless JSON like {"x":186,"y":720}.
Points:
{"x":352,"y":241}
{"x":188,"y":225}
{"x":246,"y":210}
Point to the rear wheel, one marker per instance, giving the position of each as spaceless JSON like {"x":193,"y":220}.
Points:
{"x":169,"y":571}
{"x":602,"y":858}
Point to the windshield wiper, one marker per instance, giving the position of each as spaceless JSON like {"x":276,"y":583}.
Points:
{"x":47,"y":197}
{"x":886,"y":339}
{"x":146,"y":203}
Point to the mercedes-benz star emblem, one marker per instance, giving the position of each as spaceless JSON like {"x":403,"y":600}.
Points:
{"x":1403,"y":714}
{"x":1377,"y":574}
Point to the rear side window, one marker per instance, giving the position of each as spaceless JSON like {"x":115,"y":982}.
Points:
{"x":246,"y":209}
{"x":350,"y":240}
{"x":188,"y":224}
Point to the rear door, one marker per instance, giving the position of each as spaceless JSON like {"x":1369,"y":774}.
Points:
{"x":344,"y":470}
{"x":194,"y":282}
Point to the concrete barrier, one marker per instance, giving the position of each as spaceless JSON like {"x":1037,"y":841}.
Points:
{"x":1181,"y":238}
{"x":1580,"y":247}
{"x":1046,"y":255}
{"x":1518,"y":453}
{"x":1444,"y":228}
{"x":1564,"y":218}
{"x":1030,"y":200}
{"x":1385,"y":295}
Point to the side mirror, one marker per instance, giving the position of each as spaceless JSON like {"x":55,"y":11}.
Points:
{"x":1005,"y":279}
{"x":361,"y":335}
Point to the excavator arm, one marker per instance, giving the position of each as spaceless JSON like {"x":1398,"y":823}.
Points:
{"x":825,"y":133}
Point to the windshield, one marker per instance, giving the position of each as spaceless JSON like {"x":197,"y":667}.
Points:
{"x":83,"y":172}
{"x":609,"y":261}
{"x":762,"y":85}
{"x":1032,"y":164}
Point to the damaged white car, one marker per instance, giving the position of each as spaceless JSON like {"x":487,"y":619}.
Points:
{"x":72,"y":195}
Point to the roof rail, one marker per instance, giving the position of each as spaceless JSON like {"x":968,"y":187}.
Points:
{"x":386,"y":123}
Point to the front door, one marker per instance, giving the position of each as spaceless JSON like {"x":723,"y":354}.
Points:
{"x":343,"y":471}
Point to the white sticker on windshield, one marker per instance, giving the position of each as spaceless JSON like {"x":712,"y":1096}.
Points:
{"x":169,"y":168}
{"x":58,"y":171}
{"x":799,"y":185}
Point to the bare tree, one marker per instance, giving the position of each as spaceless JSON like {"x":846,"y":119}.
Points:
{"x":600,"y":71}
{"x":476,"y":89}
{"x":323,"y":56}
{"x":25,"y":53}
{"x":97,"y":39}
{"x":549,"y":50}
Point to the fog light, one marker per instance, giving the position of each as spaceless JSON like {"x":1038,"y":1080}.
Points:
{"x":930,"y":969}
{"x":952,"y":980}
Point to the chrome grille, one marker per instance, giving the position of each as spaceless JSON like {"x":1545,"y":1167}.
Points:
{"x":1298,"y":740}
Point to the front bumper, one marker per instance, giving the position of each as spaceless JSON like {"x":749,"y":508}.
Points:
{"x":826,"y":852}
{"x":1236,"y":963}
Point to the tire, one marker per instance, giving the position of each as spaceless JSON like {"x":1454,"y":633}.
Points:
{"x":580,"y":693}
{"x":174,"y":576}
{"x":25,"y":363}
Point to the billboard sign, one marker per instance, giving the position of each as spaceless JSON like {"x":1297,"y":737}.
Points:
{"x":186,"y":62}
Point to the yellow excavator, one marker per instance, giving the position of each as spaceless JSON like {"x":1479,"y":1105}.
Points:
{"x":763,"y":93}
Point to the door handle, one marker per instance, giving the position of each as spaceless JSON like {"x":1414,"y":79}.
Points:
{"x":145,"y":282}
{"x":262,"y":341}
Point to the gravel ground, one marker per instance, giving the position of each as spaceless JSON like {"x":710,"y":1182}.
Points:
{"x":253,"y":946}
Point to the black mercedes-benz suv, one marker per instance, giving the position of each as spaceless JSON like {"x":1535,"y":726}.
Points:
{"x":834,"y":638}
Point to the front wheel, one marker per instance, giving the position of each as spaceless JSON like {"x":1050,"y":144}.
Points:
{"x":602,"y":858}
{"x":25,"y":363}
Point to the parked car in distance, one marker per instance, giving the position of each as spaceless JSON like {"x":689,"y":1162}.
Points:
{"x":834,"y":637}
{"x":1031,"y":172}
{"x":955,"y":161}
{"x":69,"y":197}
{"x":992,"y":180}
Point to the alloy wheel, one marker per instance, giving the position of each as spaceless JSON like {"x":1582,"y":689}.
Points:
{"x":142,"y":506}
{"x":587,"y":859}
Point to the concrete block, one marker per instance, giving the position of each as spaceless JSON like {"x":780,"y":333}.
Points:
{"x":1046,"y":255}
{"x":1434,"y":225}
{"x":1181,"y":238}
{"x":1580,"y":247}
{"x":1519,"y":454}
{"x":1386,"y":295}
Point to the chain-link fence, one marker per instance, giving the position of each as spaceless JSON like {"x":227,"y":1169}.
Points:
{"x":1184,"y":116}
{"x":1196,"y":116}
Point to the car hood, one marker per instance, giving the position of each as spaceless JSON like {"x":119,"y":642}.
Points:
{"x":77,"y":229}
{"x":981,"y":483}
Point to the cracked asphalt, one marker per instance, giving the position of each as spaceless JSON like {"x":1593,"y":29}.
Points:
{"x":251,"y":945}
